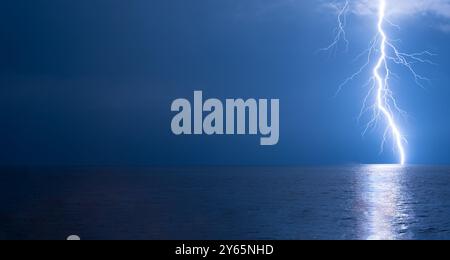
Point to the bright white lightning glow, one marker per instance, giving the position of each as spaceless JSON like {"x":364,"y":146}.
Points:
{"x":382,"y":84}
{"x":385,"y":106}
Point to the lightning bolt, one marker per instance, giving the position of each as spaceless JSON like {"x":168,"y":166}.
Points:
{"x":385,"y":106}
{"x":383,"y":87}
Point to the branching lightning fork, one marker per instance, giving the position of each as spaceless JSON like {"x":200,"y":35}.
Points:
{"x":385,"y":106}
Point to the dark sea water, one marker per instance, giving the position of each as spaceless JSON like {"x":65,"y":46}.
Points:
{"x":355,"y":202}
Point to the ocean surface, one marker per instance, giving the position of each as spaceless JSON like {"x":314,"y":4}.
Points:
{"x":354,"y":202}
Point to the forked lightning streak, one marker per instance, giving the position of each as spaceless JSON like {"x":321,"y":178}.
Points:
{"x":385,"y":106}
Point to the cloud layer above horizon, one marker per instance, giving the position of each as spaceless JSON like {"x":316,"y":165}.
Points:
{"x":440,"y":8}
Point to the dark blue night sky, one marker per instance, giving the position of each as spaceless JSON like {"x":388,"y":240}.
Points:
{"x":90,"y":82}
